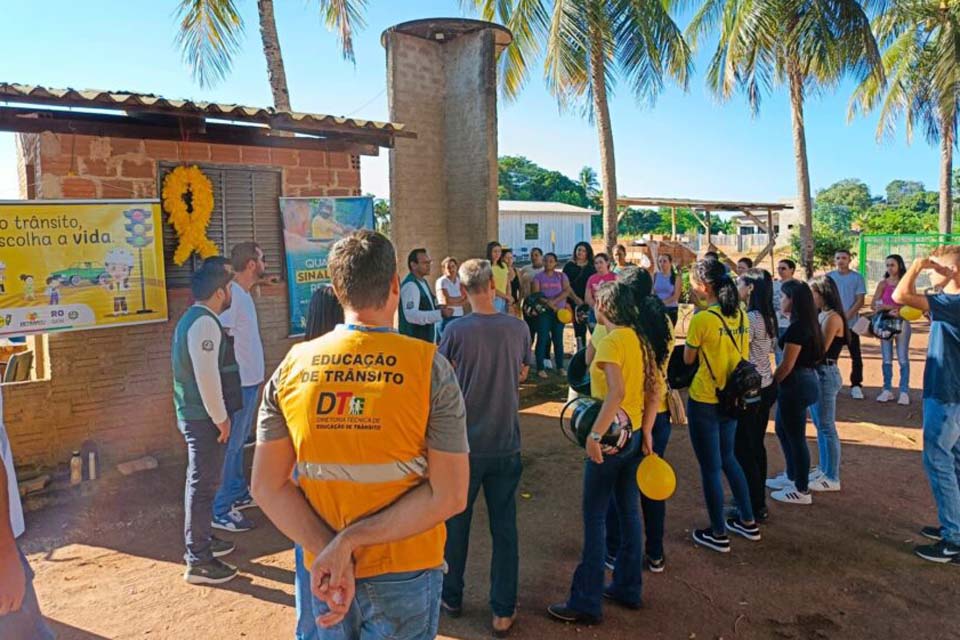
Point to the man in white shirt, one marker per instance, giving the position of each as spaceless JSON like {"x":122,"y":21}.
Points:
{"x":419,"y":311}
{"x":240,"y":323}
{"x":20,"y":617}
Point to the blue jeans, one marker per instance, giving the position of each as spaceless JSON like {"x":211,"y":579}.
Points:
{"x":499,"y":476}
{"x":824,"y":414}
{"x":654,"y":511}
{"x":903,"y":357}
{"x":941,"y":460}
{"x":28,"y":622}
{"x":777,"y":351}
{"x":713,"y":436}
{"x":616,"y":477}
{"x":394,"y":606}
{"x":549,"y":328}
{"x":303,"y":598}
{"x":233,"y":486}
{"x":800,"y":390}
{"x":204,"y":466}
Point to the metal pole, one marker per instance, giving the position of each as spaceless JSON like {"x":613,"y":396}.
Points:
{"x":673,"y":223}
{"x":772,"y":239}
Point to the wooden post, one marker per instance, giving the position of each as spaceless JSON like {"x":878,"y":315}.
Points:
{"x":707,"y":218}
{"x":673,"y":223}
{"x":772,"y":239}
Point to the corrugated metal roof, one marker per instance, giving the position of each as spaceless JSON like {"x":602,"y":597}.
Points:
{"x":535,"y":206}
{"x":145,"y":102}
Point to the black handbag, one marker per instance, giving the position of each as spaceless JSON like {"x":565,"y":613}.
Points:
{"x":680,"y":374}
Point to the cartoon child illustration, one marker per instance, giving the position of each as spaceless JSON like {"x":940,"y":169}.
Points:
{"x":3,"y":277}
{"x":29,"y":292}
{"x":119,"y":265}
{"x":53,"y":290}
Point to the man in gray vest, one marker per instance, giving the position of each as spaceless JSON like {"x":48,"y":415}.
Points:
{"x":419,"y":312}
{"x":201,"y":356}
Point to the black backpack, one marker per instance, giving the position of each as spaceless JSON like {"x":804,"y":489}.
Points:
{"x":743,"y":384}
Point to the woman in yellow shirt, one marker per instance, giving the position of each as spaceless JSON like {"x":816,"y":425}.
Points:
{"x":622,"y":374}
{"x":712,"y":432}
{"x":501,"y":276}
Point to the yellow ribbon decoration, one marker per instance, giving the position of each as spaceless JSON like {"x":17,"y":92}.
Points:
{"x":191,"y":228}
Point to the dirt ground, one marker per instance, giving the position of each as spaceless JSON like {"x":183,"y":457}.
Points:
{"x":108,"y":564}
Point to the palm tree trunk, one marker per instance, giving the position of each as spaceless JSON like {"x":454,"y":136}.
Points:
{"x":608,"y":164}
{"x":271,"y":51}
{"x":946,"y":175}
{"x":803,"y":168}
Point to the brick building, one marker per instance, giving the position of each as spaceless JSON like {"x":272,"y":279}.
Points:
{"x":113,"y":386}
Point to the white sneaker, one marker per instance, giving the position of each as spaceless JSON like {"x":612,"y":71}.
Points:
{"x":904,"y":399}
{"x":824,"y":484}
{"x":856,"y":393}
{"x":779,"y":482}
{"x":790,"y":495}
{"x":815,"y":473}
{"x":885,"y":396}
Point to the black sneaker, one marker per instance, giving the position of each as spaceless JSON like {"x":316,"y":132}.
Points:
{"x":748,"y":531}
{"x":449,"y":609}
{"x":941,"y":552}
{"x":214,"y":572}
{"x":563,"y":613}
{"x":220,"y":548}
{"x":934,"y":533}
{"x":654,"y":565}
{"x":608,"y":595}
{"x":707,"y":538}
{"x":761,"y":516}
{"x":610,"y":562}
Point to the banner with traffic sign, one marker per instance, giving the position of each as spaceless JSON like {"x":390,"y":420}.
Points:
{"x":72,"y":265}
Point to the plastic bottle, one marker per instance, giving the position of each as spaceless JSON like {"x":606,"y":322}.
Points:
{"x":76,"y":468}
{"x":91,"y":466}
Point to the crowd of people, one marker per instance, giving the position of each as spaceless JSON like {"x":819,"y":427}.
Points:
{"x":373,"y":443}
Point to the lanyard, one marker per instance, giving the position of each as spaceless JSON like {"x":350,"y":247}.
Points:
{"x":365,"y":328}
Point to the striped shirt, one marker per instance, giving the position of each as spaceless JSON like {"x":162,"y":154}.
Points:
{"x":761,"y":347}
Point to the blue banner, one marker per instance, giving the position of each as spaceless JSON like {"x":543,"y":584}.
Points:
{"x":310,"y":227}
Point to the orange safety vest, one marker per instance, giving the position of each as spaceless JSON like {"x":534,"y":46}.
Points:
{"x":356,"y":402}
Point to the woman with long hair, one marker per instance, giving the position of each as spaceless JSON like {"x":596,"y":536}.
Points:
{"x":826,"y":476}
{"x":500,"y":276}
{"x":667,"y":285}
{"x":601,"y":262}
{"x":450,"y":292}
{"x":802,"y":346}
{"x":323,"y":315}
{"x":555,"y":288}
{"x":883,"y":303}
{"x":578,"y":270}
{"x":620,"y":259}
{"x":623,"y":375}
{"x":756,"y":291}
{"x":513,"y":281}
{"x":719,"y":337}
{"x":656,"y":327}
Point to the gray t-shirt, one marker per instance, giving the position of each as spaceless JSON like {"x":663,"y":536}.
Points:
{"x":487,"y":352}
{"x":445,"y":427}
{"x":850,"y":285}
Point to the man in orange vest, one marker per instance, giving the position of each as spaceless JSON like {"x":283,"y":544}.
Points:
{"x":374,"y":424}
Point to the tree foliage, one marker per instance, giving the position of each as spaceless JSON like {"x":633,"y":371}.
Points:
{"x":523,"y":179}
{"x":851,"y":193}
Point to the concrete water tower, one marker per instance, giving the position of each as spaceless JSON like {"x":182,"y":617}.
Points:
{"x":442,"y":84}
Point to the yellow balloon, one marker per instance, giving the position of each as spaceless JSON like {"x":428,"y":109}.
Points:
{"x":910,"y":314}
{"x":656,"y":478}
{"x":564,"y":315}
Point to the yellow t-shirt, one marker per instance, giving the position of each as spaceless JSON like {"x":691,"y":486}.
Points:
{"x":706,"y":333}
{"x":621,"y":347}
{"x":500,"y":278}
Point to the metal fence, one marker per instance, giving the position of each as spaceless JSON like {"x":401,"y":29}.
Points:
{"x":874,"y":250}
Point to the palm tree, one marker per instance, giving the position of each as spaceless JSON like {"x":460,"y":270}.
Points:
{"x":806,"y":44}
{"x":587,"y":45}
{"x":921,"y":58}
{"x":210,"y":34}
{"x":588,"y":180}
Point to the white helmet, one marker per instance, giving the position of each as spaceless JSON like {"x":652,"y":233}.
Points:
{"x":120,"y":257}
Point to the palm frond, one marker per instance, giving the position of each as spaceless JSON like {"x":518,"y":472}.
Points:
{"x":209,"y":35}
{"x":344,"y":17}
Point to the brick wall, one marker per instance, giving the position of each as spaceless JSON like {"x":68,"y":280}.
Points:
{"x":113,"y":386}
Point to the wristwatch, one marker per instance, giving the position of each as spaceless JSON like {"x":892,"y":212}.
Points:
{"x":596,"y":437}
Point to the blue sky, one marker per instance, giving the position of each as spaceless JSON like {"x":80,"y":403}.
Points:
{"x":687,"y":145}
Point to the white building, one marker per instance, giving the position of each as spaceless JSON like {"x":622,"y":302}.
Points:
{"x":552,"y":226}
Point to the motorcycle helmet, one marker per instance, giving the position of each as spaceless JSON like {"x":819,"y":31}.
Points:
{"x":583,"y":414}
{"x":582,"y":313}
{"x":534,"y":304}
{"x":578,"y":373}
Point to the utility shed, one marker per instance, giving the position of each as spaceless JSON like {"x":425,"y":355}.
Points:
{"x":551,"y":226}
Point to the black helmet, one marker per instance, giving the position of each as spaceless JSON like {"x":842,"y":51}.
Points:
{"x":578,"y":373}
{"x":535,"y":304}
{"x":584,"y":415}
{"x":582,"y":313}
